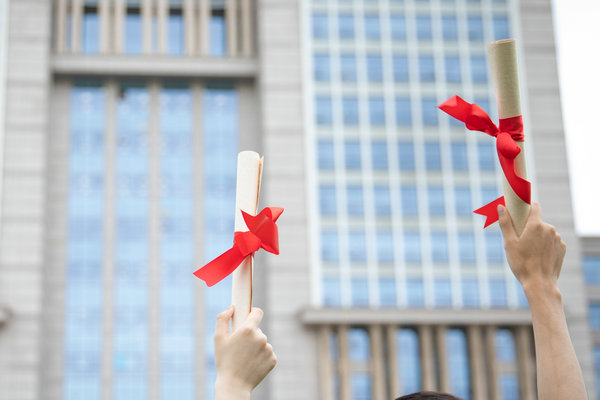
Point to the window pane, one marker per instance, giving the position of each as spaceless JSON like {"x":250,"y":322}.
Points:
{"x":90,"y":29}
{"x":398,"y":26}
{"x":409,"y":360}
{"x":387,"y":292}
{"x":449,"y":27}
{"x":374,"y":68}
{"x":488,"y":194}
{"x":459,"y":156}
{"x":591,"y":268}
{"x":320,"y":29}
{"x":403,"y":112}
{"x":376,"y":111}
{"x":415,"y":293}
{"x":453,"y":74}
{"x":323,"y":110}
{"x":382,"y":200}
{"x":348,"y":67}
{"x":501,"y":28}
{"x":442,"y":293}
{"x":433,"y":159}
{"x":331,"y":292}
{"x":352,"y":154}
{"x":361,"y":386}
{"x":327,"y":201}
{"x":475,"y":28}
{"x":350,"y":110}
{"x":429,"y":111}
{"x":497,"y":292}
{"x":354,"y":196}
{"x":470,"y":293}
{"x":218,"y":35}
{"x":594,"y":314}
{"x":423,"y":27}
{"x":505,"y":346}
{"x":410,"y":204}
{"x":346,"y":26}
{"x":406,"y":156}
{"x":321,"y":67}
{"x":458,"y":363}
{"x":435,"y":198}
{"x":360,"y":294}
{"x":358,"y":343}
{"x":133,"y":31}
{"x":426,"y":69}
{"x":439,"y":247}
{"x":412,"y":247}
{"x":176,"y":33}
{"x":487,"y":156}
{"x":509,"y":386}
{"x":385,"y":246}
{"x":494,"y":247}
{"x":329,"y":246}
{"x":478,"y":69}
{"x":466,"y":247}
{"x":372,"y":26}
{"x":325,"y":154}
{"x":379,"y":155}
{"x":358,"y":246}
{"x":462,"y":200}
{"x":400,"y":68}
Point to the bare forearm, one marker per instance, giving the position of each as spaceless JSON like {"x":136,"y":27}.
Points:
{"x":225,"y":390}
{"x":559,"y":376}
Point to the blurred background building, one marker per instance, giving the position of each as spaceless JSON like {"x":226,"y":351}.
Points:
{"x":121,"y":122}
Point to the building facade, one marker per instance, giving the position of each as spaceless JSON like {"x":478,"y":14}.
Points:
{"x":121,"y":128}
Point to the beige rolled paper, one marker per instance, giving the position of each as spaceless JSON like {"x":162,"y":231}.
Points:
{"x":502,"y":56}
{"x":249,"y":173}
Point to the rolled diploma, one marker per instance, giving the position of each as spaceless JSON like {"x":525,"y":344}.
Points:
{"x":502,"y":56}
{"x":249,"y":172}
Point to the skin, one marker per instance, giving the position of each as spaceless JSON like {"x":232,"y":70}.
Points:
{"x":243,"y":358}
{"x":536,"y":258}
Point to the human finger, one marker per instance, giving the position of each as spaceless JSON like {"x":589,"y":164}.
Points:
{"x":506,"y":224}
{"x":222,"y":325}
{"x":254,"y":318}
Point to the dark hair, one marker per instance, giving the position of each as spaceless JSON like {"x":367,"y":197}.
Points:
{"x":428,"y":396}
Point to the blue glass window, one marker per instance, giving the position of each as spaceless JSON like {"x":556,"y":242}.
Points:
{"x":320,"y":29}
{"x":597,"y":365}
{"x":352,"y":154}
{"x":379,"y":155}
{"x":398,"y":26}
{"x":321,"y":67}
{"x":361,"y":386}
{"x":494,"y":247}
{"x":594,"y":315}
{"x":415,"y":293}
{"x":385,"y":246}
{"x":350,"y":110}
{"x":218,"y":33}
{"x":458,"y":363}
{"x":359,"y":345}
{"x":382,"y":200}
{"x":90,"y":29}
{"x":387,"y":292}
{"x":412,"y":247}
{"x":470,"y":293}
{"x":410,"y":204}
{"x":591,"y":268}
{"x":400,"y":67}
{"x":452,"y":64}
{"x":501,"y":27}
{"x":374,"y":68}
{"x":323,"y":110}
{"x":497,"y":292}
{"x":466,"y":247}
{"x":325,"y":154}
{"x":484,"y":103}
{"x":357,"y":242}
{"x":449,"y":27}
{"x":406,"y":156}
{"x":462,"y":200}
{"x":426,"y":69}
{"x":409,"y":359}
{"x":176,"y":31}
{"x":133,"y":31}
{"x":327,"y":200}
{"x":475,"y":28}
{"x":346,"y":26}
{"x":329,"y":246}
{"x":360,"y":294}
{"x":505,"y":346}
{"x":354,"y":197}
{"x":509,"y":385}
{"x":331,"y":292}
{"x":478,"y":69}
{"x":486,"y":154}
{"x":459,"y":156}
{"x":439,"y":247}
{"x":429,"y":112}
{"x":403,"y":112}
{"x":423,"y":27}
{"x":372,"y":26}
{"x":433,"y":160}
{"x":488,"y":193}
{"x":376,"y":111}
{"x":348,"y":67}
{"x":435,"y":199}
{"x":442,"y":293}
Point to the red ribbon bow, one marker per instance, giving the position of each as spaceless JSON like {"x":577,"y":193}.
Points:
{"x":262,"y":233}
{"x":507,"y":135}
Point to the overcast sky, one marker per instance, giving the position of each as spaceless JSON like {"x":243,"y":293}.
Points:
{"x":577,"y":38}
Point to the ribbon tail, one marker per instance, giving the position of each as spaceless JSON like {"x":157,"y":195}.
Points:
{"x":490,"y":211}
{"x":520,"y":186}
{"x":216,"y":270}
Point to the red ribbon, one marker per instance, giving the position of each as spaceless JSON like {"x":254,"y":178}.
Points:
{"x":262,"y":233}
{"x":507,"y":135}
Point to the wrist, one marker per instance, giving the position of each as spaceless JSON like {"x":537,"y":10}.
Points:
{"x":229,"y":389}
{"x":542,"y":291}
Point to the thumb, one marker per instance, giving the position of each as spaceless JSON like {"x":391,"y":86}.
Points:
{"x":506,"y":224}
{"x":222,"y":325}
